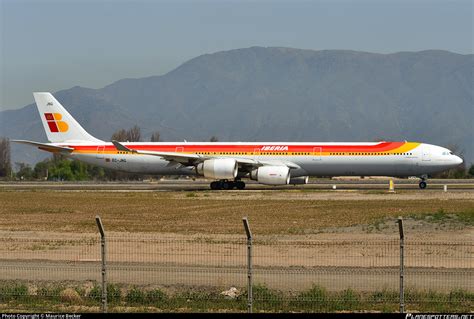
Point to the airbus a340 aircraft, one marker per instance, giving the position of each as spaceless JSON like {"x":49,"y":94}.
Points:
{"x":227,"y":163}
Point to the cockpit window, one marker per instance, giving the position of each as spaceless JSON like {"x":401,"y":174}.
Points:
{"x":451,"y":153}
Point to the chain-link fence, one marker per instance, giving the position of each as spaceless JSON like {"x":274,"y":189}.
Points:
{"x":158,"y":272}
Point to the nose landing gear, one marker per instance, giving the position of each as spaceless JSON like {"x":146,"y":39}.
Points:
{"x":422,"y":183}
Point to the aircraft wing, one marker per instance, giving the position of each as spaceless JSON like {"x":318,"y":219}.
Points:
{"x":46,"y":146}
{"x":279,"y":163}
{"x":192,"y":159}
{"x":169,"y":156}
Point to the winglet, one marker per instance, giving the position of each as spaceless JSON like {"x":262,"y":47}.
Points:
{"x":119,"y":146}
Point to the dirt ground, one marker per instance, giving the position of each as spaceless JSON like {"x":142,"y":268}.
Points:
{"x":336,"y":261}
{"x":269,"y":212}
{"x":337,"y":239}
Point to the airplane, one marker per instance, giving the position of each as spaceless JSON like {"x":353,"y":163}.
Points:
{"x":272,"y":163}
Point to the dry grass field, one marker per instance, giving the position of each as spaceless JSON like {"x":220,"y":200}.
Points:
{"x":270,"y":212}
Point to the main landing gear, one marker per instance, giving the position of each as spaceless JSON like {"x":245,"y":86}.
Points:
{"x":422,"y":184}
{"x":225,"y":184}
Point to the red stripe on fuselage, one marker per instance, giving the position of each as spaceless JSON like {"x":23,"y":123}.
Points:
{"x":381,"y":147}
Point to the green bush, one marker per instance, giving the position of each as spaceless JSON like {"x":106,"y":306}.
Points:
{"x":384,"y":296}
{"x":347,"y":300}
{"x":315,"y":298}
{"x":96,"y":293}
{"x":156,"y":296}
{"x":266,"y":298}
{"x":113,"y":293}
{"x":50,"y":292}
{"x":135,"y":296}
{"x":316,"y":293}
{"x":471,"y":170}
{"x":460,"y":295}
{"x":13,"y":291}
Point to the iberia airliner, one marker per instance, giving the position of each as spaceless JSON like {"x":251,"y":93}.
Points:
{"x":227,"y":163}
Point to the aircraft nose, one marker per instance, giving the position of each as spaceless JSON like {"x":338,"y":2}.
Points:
{"x":457,"y":160}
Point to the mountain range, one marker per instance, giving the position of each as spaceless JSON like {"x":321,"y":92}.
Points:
{"x":279,"y":94}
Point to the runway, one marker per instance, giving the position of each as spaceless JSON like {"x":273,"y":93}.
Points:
{"x":203,"y":185}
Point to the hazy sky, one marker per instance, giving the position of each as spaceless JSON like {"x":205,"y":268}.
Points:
{"x":54,"y":45}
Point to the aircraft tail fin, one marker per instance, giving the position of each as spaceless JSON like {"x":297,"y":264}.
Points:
{"x":58,"y":124}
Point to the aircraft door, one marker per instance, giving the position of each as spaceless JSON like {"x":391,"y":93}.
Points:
{"x":317,"y":153}
{"x":100,"y":152}
{"x":425,"y":154}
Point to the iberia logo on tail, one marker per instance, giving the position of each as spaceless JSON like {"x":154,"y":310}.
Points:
{"x":54,"y":122}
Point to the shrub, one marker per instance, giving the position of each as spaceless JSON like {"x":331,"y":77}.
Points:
{"x":14,"y":291}
{"x":113,"y":293}
{"x":348,"y":300}
{"x":265,"y":297}
{"x":155,"y":296}
{"x":71,"y":296}
{"x":384,"y":296}
{"x":50,"y":292}
{"x":95,"y":293}
{"x":314,"y":298}
{"x":135,"y":296}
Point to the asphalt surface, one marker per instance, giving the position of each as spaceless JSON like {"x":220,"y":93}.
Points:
{"x":294,"y":278}
{"x":203,"y":185}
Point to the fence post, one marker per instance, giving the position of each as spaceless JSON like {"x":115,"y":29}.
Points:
{"x":104,"y":265}
{"x":249,"y":264}
{"x":402,"y":271}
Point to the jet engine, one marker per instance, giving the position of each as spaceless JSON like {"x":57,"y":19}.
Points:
{"x":299,"y":180}
{"x":221,"y":168}
{"x":271,"y":175}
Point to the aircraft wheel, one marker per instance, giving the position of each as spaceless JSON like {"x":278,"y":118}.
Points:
{"x":240,"y":185}
{"x":215,"y":185}
{"x":227,"y":185}
{"x":422,"y":185}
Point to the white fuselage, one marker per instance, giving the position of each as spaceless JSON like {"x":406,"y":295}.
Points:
{"x":423,"y":159}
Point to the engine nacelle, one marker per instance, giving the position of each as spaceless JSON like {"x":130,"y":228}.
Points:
{"x":221,"y":168}
{"x":271,"y":175}
{"x":299,"y":180}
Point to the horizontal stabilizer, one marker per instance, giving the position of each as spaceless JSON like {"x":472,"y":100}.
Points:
{"x":46,"y":146}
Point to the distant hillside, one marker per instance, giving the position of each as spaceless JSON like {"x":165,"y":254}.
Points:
{"x":284,"y":94}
